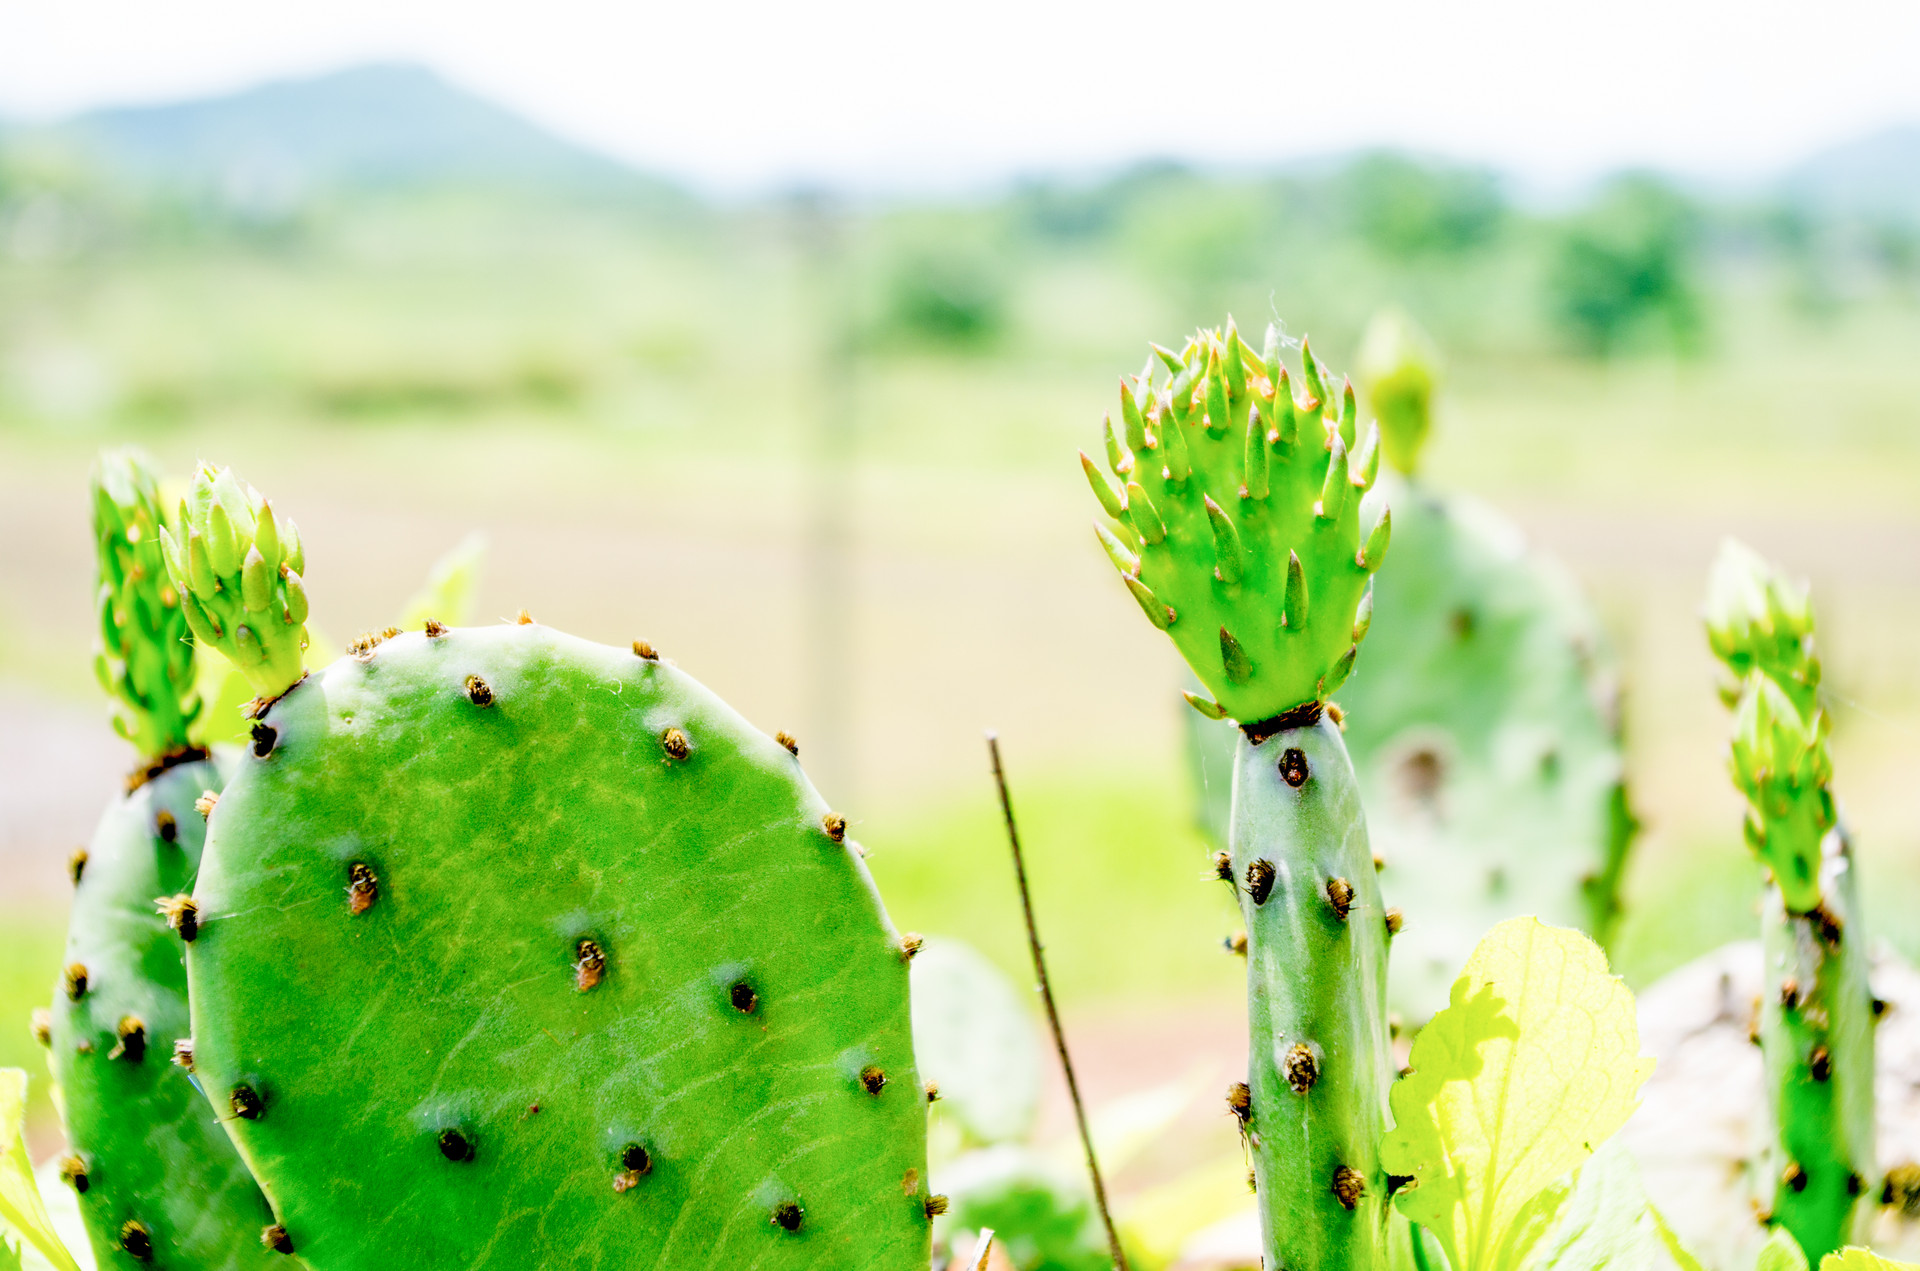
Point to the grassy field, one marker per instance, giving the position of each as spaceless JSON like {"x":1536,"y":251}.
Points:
{"x":658,"y":428}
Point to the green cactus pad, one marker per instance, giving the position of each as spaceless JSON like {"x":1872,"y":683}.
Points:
{"x":1317,"y":936}
{"x":144,"y":1145}
{"x":1242,"y":523}
{"x":1816,"y":1018}
{"x":145,"y":662}
{"x":237,"y":569}
{"x":517,"y":950}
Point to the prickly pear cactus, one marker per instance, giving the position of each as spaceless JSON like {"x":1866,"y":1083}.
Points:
{"x":159,"y":1183}
{"x":1484,"y":731}
{"x":1246,"y":530}
{"x":519,"y":950}
{"x":1817,"y":1013}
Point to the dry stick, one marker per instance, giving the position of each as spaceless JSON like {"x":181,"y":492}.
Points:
{"x":1053,"y":1015}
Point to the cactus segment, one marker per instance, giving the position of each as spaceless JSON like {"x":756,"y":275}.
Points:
{"x":1401,"y":369}
{"x":145,"y":1146}
{"x":145,"y":660}
{"x":1816,"y":1017}
{"x":1261,"y":481}
{"x":238,"y":570}
{"x":623,"y":990}
{"x":1321,"y":1063}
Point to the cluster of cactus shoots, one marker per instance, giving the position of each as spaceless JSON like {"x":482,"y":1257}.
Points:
{"x":495,"y":947}
{"x":1817,"y":1017}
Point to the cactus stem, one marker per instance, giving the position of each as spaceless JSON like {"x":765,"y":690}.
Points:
{"x":590,"y":965}
{"x":1260,"y":875}
{"x":873,"y":1079}
{"x":363,"y":888}
{"x":479,"y":692}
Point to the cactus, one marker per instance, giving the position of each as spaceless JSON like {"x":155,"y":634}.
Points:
{"x":520,"y":950}
{"x":157,"y":1178}
{"x":1484,"y":733}
{"x":1817,"y":1014}
{"x":1246,"y":527}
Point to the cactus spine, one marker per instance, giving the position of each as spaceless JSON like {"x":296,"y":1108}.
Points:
{"x":1243,"y":522}
{"x":158,"y":1181}
{"x":1816,"y":1019}
{"x":518,"y":950}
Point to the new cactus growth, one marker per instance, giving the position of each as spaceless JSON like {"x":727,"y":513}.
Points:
{"x":159,"y":1183}
{"x":1484,"y":735}
{"x":520,"y":950}
{"x":1816,"y":1018}
{"x":1243,"y":522}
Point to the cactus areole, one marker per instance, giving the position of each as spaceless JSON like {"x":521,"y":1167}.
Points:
{"x":1816,"y":1017}
{"x":1243,"y":522}
{"x":518,"y":950}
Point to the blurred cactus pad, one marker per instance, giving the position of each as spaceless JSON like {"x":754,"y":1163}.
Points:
{"x":1483,"y":723}
{"x":518,"y":950}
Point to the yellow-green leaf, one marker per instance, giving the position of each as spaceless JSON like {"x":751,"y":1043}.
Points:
{"x":20,"y":1206}
{"x":1533,"y":1064}
{"x":1856,"y":1259}
{"x":448,"y":592}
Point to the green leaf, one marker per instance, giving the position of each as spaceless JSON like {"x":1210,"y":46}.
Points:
{"x":1856,"y":1259}
{"x":1535,"y":1062}
{"x":1605,"y":1224}
{"x":974,"y":1036}
{"x":1671,"y":1239}
{"x":1782,"y":1253}
{"x":20,"y":1206}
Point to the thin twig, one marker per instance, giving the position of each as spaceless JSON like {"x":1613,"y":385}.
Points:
{"x":1053,"y":1014}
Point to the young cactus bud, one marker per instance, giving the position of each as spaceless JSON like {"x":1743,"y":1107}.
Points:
{"x":1256,"y":508}
{"x":237,"y":569}
{"x":145,"y":658}
{"x":1758,"y":620}
{"x":1400,"y":369}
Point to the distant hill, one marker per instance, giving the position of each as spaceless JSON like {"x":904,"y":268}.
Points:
{"x":376,"y":125}
{"x":1877,"y":175}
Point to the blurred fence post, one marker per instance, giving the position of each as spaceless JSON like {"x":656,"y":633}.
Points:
{"x":829,"y":590}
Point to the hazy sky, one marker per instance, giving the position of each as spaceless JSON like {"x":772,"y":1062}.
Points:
{"x":746,"y":94}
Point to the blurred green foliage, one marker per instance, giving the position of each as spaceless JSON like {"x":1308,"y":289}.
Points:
{"x":1626,"y":268}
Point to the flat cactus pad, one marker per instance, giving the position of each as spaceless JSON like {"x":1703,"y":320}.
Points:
{"x":518,"y":950}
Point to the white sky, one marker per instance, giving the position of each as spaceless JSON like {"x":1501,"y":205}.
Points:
{"x":744,"y":94}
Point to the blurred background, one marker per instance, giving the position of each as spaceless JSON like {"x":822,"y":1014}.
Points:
{"x":769,"y":334}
